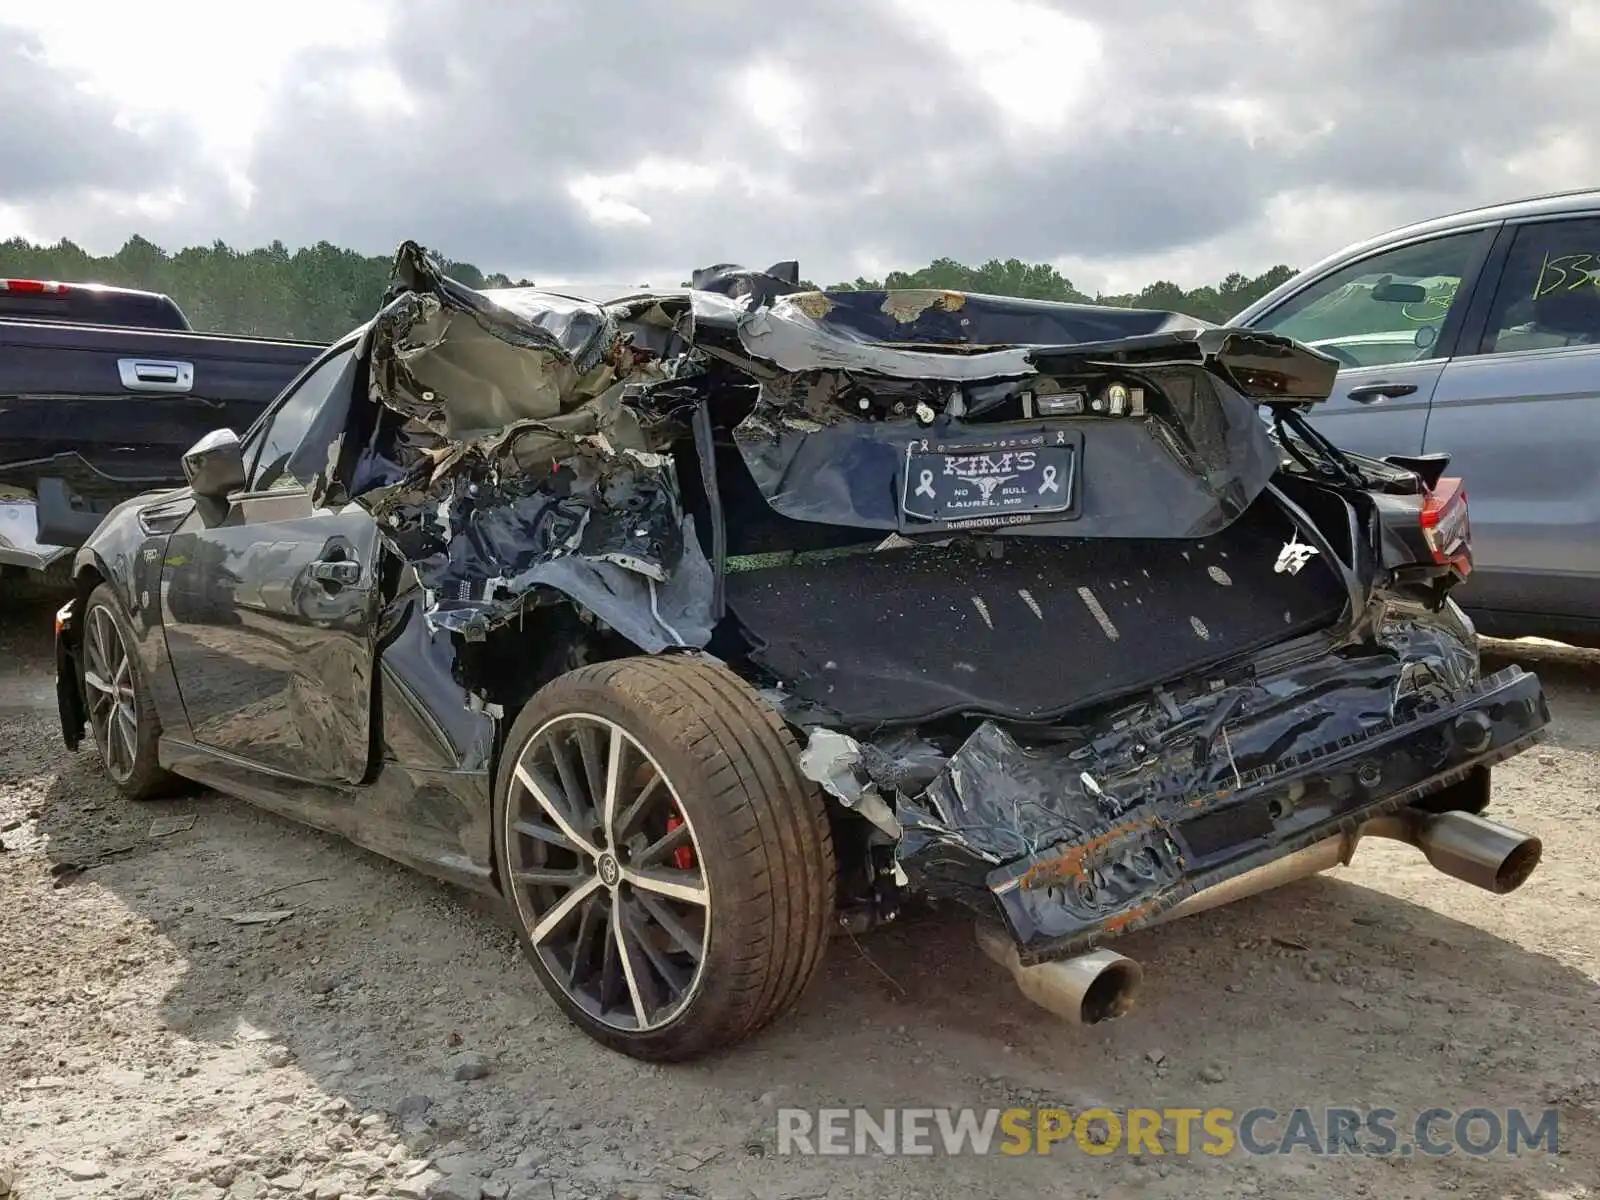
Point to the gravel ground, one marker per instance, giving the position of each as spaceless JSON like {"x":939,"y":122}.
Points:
{"x":387,"y":1039}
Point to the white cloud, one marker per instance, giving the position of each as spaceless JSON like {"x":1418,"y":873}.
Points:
{"x":775,"y":99}
{"x":15,"y":222}
{"x":1038,"y":67}
{"x":214,"y":65}
{"x":573,"y":139}
{"x":615,"y":199}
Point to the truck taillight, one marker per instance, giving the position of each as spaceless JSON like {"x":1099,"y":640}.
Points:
{"x":31,"y":287}
{"x":1446,"y":526}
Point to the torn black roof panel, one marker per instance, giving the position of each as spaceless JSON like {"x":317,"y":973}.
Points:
{"x":966,"y":337}
{"x":967,"y":320}
{"x":934,"y":334}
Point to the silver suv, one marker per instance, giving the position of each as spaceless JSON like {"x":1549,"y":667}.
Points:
{"x":1478,"y":335}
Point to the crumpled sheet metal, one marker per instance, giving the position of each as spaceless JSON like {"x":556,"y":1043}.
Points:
{"x":484,"y":398}
{"x":1186,"y":477}
{"x":787,"y":337}
{"x":1185,"y":470}
{"x":606,"y":529}
{"x":996,"y":803}
{"x":468,"y":367}
{"x":962,"y":337}
{"x":902,"y":334}
{"x":506,"y":456}
{"x":993,"y":802}
{"x":834,"y":760}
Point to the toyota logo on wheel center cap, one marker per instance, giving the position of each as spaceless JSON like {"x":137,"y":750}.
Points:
{"x":610,"y":870}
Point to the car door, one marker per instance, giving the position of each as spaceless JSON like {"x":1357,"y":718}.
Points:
{"x":1391,"y":318}
{"x":270,"y":608}
{"x":1519,"y":414}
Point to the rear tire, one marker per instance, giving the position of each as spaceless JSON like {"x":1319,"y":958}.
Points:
{"x":692,"y":907}
{"x":122,"y":716}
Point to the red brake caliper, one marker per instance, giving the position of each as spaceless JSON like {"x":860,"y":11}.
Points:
{"x":683,"y":856}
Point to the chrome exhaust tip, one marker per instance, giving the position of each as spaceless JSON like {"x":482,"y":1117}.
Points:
{"x":1466,"y":846}
{"x":1102,"y":985}
{"x":1481,"y":852}
{"x":1094,"y":987}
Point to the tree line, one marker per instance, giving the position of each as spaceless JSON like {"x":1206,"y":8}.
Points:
{"x":320,"y":292}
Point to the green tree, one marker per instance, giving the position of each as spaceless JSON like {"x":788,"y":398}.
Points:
{"x":317,"y":292}
{"x":321,"y":292}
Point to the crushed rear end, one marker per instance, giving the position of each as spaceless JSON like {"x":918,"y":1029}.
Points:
{"x":1067,"y":630}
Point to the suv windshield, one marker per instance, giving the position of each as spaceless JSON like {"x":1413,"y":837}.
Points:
{"x":1387,"y":308}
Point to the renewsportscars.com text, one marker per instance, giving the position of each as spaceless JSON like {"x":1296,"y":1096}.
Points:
{"x":1378,"y":1132}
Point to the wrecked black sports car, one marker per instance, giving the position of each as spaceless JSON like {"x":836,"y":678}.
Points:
{"x":699,"y":624}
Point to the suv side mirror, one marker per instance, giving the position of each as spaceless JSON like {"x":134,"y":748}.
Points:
{"x":214,"y":466}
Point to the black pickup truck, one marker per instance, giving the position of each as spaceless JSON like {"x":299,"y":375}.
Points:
{"x":102,"y":389}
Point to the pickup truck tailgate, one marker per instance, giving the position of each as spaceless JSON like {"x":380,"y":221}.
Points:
{"x":93,"y":414}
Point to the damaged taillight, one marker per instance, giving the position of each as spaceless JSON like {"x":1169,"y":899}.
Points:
{"x":1424,"y":536}
{"x":1446,"y":526}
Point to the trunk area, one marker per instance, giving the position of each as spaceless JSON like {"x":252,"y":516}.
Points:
{"x":888,"y":631}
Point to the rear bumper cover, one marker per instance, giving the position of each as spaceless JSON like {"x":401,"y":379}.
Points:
{"x":1124,"y":874}
{"x":19,"y":537}
{"x":66,"y":498}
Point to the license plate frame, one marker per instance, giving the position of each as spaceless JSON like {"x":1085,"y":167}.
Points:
{"x":1036,"y":476}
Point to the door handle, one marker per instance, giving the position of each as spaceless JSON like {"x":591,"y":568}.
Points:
{"x":1368,"y":393}
{"x":155,"y":375}
{"x":339,"y":572}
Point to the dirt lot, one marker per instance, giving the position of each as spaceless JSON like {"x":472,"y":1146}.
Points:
{"x":150,"y":1048}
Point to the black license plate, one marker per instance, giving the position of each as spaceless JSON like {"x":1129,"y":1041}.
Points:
{"x":1021,"y":476}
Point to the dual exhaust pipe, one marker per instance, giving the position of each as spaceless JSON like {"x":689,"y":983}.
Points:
{"x":1103,"y":984}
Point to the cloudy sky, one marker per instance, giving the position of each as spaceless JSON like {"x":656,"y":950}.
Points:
{"x":624,"y":141}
